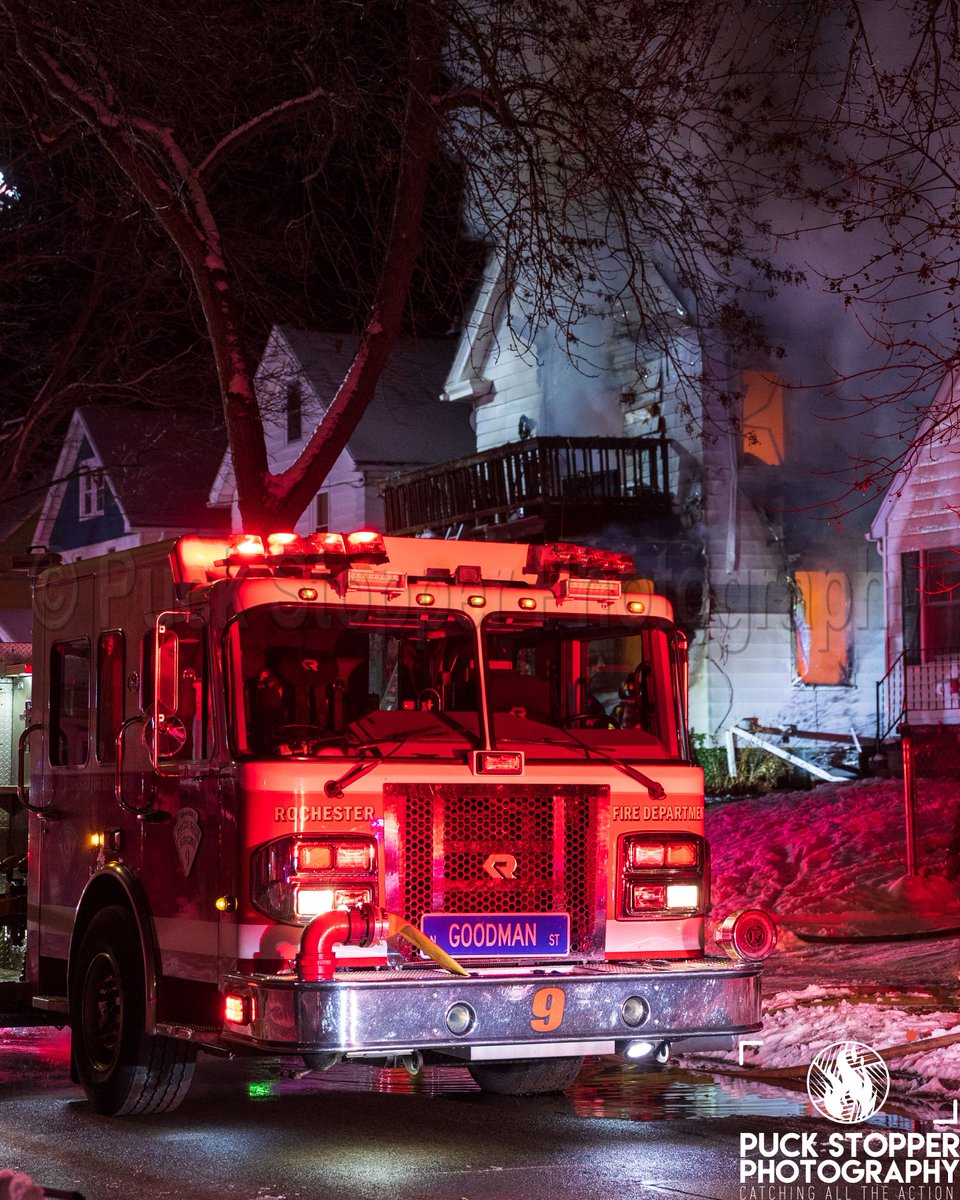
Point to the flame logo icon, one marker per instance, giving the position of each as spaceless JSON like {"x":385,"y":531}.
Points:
{"x":848,"y":1082}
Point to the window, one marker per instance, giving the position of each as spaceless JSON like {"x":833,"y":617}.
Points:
{"x":181,"y":701}
{"x":91,"y":490}
{"x":294,"y":411}
{"x":69,"y":702}
{"x":322,"y":518}
{"x":930,"y":592}
{"x":110,"y":683}
{"x":822,"y":623}
{"x":763,"y":416}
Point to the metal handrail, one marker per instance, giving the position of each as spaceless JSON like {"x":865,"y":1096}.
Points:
{"x":133,"y":809}
{"x":23,"y":792}
{"x":883,"y":685}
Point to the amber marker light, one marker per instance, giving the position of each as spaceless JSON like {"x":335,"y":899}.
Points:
{"x":476,"y":601}
{"x":527,"y":602}
{"x":225,"y":904}
{"x":425,"y":599}
{"x":636,"y":606}
{"x":96,"y":840}
{"x":307,"y":593}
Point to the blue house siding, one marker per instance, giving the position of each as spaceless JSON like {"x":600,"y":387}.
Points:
{"x":69,"y":532}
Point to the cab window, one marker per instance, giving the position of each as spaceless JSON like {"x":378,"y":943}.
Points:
{"x":70,"y":702}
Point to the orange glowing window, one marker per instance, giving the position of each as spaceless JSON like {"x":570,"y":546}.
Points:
{"x":822,"y":621}
{"x":763,"y":416}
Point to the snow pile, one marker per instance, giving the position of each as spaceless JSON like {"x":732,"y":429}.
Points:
{"x":838,"y":852}
{"x":832,"y":862}
{"x":795,"y":1029}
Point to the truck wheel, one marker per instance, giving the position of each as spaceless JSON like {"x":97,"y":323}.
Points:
{"x":122,"y":1069}
{"x":528,"y":1078}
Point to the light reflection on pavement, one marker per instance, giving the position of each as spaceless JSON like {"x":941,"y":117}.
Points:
{"x":38,"y":1061}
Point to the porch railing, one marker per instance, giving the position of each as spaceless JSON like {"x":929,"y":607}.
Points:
{"x":926,"y":690}
{"x":526,"y":478}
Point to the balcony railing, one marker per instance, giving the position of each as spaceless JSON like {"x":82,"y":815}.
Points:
{"x":542,"y":477}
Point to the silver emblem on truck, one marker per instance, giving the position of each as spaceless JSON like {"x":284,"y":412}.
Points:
{"x":187,"y":835}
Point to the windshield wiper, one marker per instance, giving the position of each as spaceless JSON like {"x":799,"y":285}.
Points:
{"x":656,"y":791}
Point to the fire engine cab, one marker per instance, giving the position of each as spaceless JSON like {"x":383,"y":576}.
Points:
{"x":372,"y":798}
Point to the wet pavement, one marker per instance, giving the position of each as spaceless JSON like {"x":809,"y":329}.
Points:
{"x":260,"y":1130}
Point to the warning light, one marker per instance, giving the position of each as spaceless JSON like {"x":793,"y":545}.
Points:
{"x":425,"y":599}
{"x":366,"y":542}
{"x":284,"y":543}
{"x":236,"y":1009}
{"x":329,"y":543}
{"x":527,"y":602}
{"x":247,"y":545}
{"x":225,"y":904}
{"x":636,"y":606}
{"x":476,"y":601}
{"x":308,"y":593}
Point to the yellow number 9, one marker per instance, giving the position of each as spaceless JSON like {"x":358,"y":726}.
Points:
{"x":547,"y":1009}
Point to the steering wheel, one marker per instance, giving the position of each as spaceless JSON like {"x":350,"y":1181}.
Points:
{"x":302,"y":739}
{"x":598,"y":720}
{"x":581,"y":716}
{"x":303,"y":733}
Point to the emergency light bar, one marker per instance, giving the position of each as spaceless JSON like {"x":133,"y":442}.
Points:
{"x":201,"y":560}
{"x":362,"y":543}
{"x":583,"y":562}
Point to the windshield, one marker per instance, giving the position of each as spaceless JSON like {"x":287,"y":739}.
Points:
{"x":612,"y":683}
{"x":310,"y":680}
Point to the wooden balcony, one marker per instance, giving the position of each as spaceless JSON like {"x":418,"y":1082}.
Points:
{"x":548,"y":486}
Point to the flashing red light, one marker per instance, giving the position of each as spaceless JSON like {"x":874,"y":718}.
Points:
{"x":247,"y":545}
{"x":366,"y":542}
{"x":236,"y":1009}
{"x":329,"y":543}
{"x":284,"y":543}
{"x":578,"y":560}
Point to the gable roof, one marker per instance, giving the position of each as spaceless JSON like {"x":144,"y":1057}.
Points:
{"x":406,"y":422}
{"x":927,"y":436}
{"x":160,"y":464}
{"x":157,"y":468}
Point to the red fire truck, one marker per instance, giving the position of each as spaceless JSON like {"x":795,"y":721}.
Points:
{"x":371,"y":798}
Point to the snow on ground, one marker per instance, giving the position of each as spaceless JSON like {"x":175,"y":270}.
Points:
{"x":832,"y":862}
{"x":838,"y":850}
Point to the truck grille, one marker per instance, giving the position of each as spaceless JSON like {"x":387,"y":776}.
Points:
{"x":447,"y":832}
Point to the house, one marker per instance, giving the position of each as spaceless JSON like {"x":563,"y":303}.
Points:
{"x":405,"y":425}
{"x":625,"y":448}
{"x":917,"y":530}
{"x":130,"y":476}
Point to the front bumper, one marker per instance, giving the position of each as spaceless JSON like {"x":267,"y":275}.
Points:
{"x":517,"y":1011}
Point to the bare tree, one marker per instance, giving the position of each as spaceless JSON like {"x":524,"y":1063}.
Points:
{"x":589,"y":141}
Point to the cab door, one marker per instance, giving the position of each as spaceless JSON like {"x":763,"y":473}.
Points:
{"x":181,"y":831}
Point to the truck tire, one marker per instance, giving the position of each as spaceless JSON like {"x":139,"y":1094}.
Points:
{"x":122,"y":1069}
{"x":531,"y":1077}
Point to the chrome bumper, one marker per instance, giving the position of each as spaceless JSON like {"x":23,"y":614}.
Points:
{"x":405,"y":1009}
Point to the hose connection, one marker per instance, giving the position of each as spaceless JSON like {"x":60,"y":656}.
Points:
{"x":362,"y":925}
